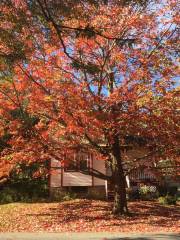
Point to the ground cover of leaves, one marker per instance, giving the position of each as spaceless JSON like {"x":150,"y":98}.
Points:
{"x":86,"y":216}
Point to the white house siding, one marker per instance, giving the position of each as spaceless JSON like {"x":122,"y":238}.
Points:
{"x":76,"y":179}
{"x":79,"y":179}
{"x":71,"y":178}
{"x":100,"y":166}
{"x":55,"y":175}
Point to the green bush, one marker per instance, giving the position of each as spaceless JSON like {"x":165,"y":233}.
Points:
{"x":167,"y":190}
{"x":24,"y":191}
{"x":60,"y":195}
{"x":23,"y":187}
{"x":132,"y":194}
{"x":8,"y":196}
{"x":167,"y":200}
{"x":172,"y":190}
{"x":31,"y":189}
{"x":162,"y":191}
{"x":148,"y":192}
{"x":95,"y":194}
{"x":69,"y":196}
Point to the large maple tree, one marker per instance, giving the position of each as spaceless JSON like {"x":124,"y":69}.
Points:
{"x":90,"y":74}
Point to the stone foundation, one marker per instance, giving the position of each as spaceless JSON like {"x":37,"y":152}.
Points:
{"x":95,"y":192}
{"x":56,"y":193}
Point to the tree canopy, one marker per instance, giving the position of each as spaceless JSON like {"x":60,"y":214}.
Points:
{"x":89,"y":74}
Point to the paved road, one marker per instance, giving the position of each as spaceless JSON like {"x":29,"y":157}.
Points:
{"x":88,"y":236}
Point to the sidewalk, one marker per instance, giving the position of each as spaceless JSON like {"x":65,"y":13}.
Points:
{"x":88,"y":236}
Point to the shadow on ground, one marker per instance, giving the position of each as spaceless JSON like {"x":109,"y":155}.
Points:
{"x":151,"y":214}
{"x":128,"y":238}
{"x":153,"y":237}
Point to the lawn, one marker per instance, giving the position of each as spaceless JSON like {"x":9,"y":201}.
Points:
{"x":86,"y":216}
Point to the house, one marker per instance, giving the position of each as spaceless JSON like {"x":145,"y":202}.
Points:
{"x":71,"y":176}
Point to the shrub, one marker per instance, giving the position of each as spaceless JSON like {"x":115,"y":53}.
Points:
{"x":148,"y":192}
{"x":162,"y":191}
{"x":8,"y":195}
{"x":95,"y":194}
{"x":69,"y":196}
{"x":132,"y":194}
{"x":60,"y":195}
{"x":24,"y":191}
{"x":30,"y":189}
{"x":172,"y":191}
{"x":22,"y":186}
{"x":167,"y":200}
{"x":165,"y":190}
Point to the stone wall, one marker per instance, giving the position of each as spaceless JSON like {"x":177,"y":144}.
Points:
{"x":96,"y":192}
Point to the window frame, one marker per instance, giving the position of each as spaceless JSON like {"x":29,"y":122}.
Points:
{"x":77,"y":160}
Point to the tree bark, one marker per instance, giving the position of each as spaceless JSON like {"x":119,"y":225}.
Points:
{"x":119,"y":181}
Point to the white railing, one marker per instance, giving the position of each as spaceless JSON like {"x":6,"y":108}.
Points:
{"x":141,"y":175}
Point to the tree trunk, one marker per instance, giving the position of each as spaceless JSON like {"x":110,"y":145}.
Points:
{"x":120,"y":201}
{"x":119,"y":181}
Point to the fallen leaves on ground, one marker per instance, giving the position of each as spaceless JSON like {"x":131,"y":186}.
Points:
{"x":86,"y":216}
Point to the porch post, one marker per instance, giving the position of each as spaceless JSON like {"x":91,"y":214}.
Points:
{"x":106,"y":189}
{"x":127,"y":181}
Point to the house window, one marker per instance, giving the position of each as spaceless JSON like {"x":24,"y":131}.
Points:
{"x":79,"y":162}
{"x":71,"y":167}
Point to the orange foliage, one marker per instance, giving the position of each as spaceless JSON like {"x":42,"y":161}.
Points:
{"x":108,"y":72}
